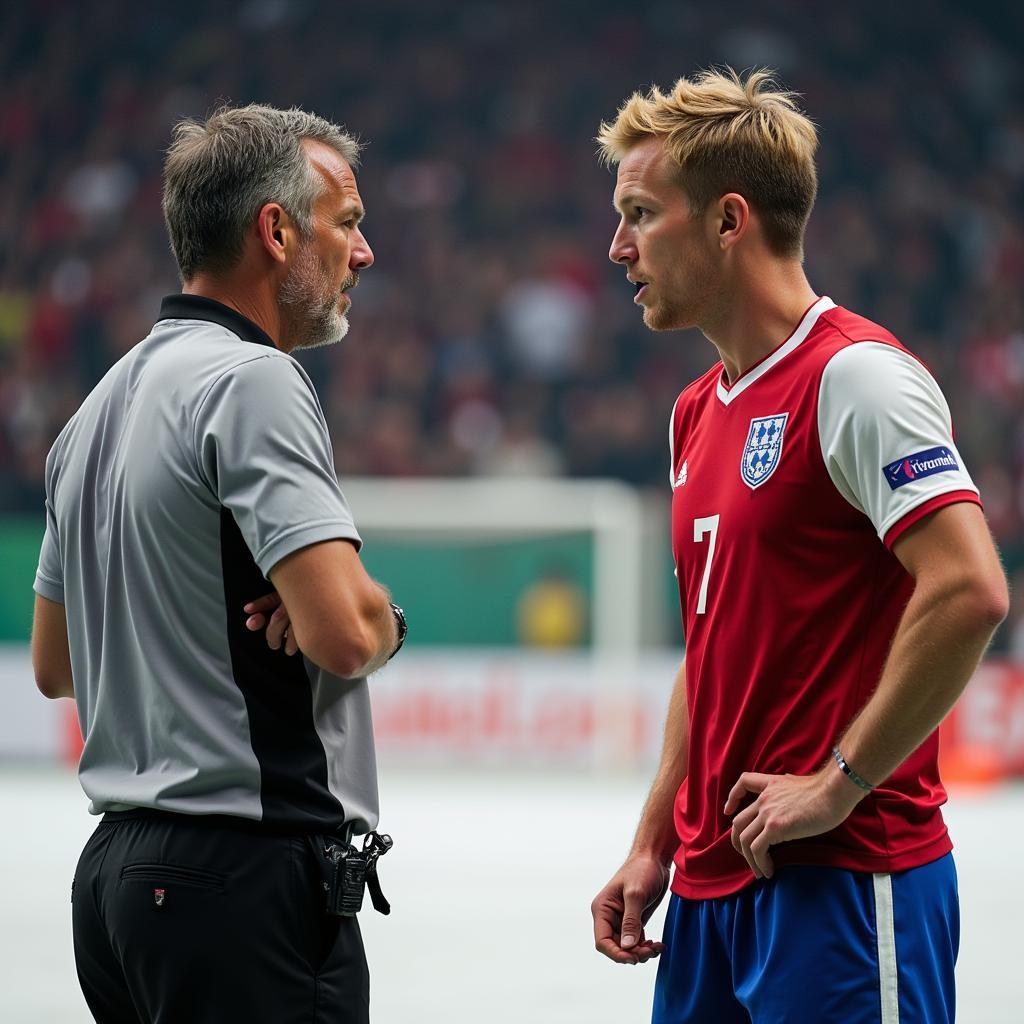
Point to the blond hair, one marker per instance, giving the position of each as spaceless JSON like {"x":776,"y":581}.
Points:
{"x":728,"y":134}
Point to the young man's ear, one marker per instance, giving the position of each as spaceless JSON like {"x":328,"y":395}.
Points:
{"x":733,"y":219}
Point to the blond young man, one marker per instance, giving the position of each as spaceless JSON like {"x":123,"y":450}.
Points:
{"x":838,"y":585}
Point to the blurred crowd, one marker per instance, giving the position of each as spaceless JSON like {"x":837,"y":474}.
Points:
{"x":492,"y":336}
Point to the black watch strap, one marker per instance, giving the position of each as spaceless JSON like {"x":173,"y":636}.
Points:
{"x":401,"y":628}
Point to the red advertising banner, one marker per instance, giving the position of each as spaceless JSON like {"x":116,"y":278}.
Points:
{"x":982,"y":739}
{"x":506,"y":708}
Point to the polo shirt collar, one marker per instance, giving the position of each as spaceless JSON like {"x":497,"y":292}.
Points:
{"x":199,"y":307}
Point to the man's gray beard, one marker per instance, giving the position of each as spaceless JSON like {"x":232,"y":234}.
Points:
{"x":309,"y":307}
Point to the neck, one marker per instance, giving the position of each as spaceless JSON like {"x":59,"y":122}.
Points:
{"x":756,"y":318}
{"x":252,"y":299}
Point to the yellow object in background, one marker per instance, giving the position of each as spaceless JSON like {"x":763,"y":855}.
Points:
{"x":552,"y":612}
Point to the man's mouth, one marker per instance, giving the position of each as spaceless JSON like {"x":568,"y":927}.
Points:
{"x":640,"y":286}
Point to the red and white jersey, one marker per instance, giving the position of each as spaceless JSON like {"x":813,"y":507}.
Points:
{"x":789,"y":489}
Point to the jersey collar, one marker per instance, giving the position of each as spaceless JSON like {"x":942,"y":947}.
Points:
{"x":810,"y":318}
{"x":199,"y":307}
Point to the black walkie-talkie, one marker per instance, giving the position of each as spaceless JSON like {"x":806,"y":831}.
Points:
{"x":350,"y":869}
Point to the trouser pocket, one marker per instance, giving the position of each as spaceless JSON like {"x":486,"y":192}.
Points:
{"x":166,"y":886}
{"x":178,"y":874}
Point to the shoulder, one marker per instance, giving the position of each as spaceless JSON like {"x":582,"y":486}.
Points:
{"x":267,"y":376}
{"x":204,"y":351}
{"x":853,"y":327}
{"x":269,"y":364}
{"x":847,"y":343}
{"x":875,"y":374}
{"x":81,"y":429}
{"x":261,"y":395}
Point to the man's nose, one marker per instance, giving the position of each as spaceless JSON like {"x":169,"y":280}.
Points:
{"x":622,"y":249}
{"x":361,"y":255}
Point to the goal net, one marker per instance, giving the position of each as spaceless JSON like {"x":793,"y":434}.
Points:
{"x":462,"y":556}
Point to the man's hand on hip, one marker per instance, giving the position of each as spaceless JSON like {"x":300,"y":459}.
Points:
{"x":622,"y":908}
{"x":787,"y":807}
{"x":270,"y":613}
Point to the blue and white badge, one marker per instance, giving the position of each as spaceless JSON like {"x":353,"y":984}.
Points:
{"x":763,"y":450}
{"x":912,"y":467}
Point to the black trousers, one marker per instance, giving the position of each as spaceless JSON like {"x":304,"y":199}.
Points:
{"x":184,"y":921}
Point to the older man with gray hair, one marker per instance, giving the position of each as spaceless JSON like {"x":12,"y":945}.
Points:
{"x":191,"y":494}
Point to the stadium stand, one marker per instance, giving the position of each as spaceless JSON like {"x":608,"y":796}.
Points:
{"x":492,"y":336}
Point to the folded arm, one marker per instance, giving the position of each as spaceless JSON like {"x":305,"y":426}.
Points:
{"x":335,"y":613}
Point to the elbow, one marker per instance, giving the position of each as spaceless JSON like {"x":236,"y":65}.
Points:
{"x":344,"y":654}
{"x":354,"y":657}
{"x":985,"y":603}
{"x":52,"y":687}
{"x":354,"y":641}
{"x":998,"y":606}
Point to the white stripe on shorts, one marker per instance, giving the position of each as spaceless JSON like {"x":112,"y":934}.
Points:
{"x":885,"y":931}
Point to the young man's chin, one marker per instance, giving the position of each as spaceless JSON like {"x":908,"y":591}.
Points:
{"x":661,"y":318}
{"x":655,"y":319}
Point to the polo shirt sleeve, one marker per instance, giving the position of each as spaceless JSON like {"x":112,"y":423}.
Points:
{"x":264,"y":450}
{"x":49,"y":582}
{"x":887,"y":439}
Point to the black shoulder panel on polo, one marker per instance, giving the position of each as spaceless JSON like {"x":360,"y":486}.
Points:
{"x":199,"y":307}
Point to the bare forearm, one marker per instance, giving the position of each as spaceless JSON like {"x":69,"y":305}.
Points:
{"x":942,"y":635}
{"x":656,"y":833}
{"x":51,"y":653}
{"x":623,"y":906}
{"x":959,"y":598}
{"x":340,"y":618}
{"x":937,"y":647}
{"x":383,"y":630}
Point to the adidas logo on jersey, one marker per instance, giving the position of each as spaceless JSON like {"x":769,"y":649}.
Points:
{"x":680,"y":476}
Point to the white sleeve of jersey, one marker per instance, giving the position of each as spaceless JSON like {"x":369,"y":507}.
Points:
{"x":885,"y":433}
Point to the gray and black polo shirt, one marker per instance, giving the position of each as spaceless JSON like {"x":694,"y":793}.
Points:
{"x":200,"y":461}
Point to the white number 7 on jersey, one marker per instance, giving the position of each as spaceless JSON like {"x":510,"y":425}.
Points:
{"x":706,"y":524}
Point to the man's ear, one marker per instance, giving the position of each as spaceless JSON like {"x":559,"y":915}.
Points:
{"x":733,"y":219}
{"x":276,"y":232}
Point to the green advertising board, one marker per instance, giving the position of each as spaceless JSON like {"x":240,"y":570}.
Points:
{"x":453,"y":593}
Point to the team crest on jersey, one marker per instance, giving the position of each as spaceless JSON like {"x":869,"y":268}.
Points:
{"x":763,"y":449}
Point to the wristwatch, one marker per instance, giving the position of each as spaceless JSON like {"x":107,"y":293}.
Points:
{"x":401,"y":628}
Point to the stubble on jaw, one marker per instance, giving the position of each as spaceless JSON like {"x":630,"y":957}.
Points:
{"x":309,"y":304}
{"x":700,"y":298}
{"x":660,"y":318}
{"x":667,"y":316}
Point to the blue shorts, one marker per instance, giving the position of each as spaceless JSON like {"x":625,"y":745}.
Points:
{"x":815,"y":944}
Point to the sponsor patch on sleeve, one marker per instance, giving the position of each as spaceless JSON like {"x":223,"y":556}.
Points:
{"x":913,"y":467}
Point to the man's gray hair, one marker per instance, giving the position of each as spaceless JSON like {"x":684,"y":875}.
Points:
{"x":219,"y":174}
